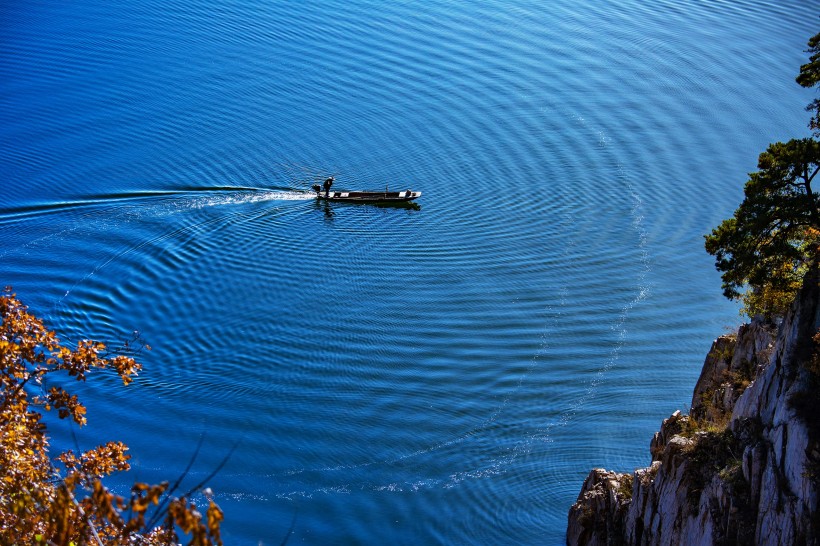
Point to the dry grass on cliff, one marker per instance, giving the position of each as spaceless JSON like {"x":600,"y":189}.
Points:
{"x":712,"y":423}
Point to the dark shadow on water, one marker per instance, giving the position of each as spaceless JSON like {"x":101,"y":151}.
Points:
{"x":326,"y":208}
{"x":329,"y":208}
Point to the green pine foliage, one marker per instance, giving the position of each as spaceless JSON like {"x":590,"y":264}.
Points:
{"x":765,"y":249}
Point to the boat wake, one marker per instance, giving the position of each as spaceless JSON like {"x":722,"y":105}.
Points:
{"x":154,"y":201}
{"x":399,"y":472}
{"x":246,"y":197}
{"x":176,"y":214}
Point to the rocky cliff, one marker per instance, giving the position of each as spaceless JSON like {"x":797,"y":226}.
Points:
{"x":743,"y":467}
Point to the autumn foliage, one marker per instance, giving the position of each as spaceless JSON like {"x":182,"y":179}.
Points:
{"x":62,"y":499}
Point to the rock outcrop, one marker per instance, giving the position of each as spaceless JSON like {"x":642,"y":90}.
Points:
{"x":743,"y":467}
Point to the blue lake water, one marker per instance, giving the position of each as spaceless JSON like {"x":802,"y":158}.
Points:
{"x":446,"y":375}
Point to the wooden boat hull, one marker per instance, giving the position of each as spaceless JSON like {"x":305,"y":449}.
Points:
{"x":373,"y":197}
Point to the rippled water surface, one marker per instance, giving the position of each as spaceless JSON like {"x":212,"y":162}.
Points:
{"x":441,"y":375}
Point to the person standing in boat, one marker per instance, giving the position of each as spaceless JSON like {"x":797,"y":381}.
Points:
{"x":328,"y":183}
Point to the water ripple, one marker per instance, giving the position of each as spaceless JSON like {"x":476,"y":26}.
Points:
{"x":446,"y":374}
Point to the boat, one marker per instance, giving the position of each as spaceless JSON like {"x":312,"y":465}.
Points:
{"x":374,"y":197}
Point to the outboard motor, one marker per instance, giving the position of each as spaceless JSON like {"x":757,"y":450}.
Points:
{"x":317,"y":188}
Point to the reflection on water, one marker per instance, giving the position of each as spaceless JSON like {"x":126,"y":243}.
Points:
{"x":326,"y":208}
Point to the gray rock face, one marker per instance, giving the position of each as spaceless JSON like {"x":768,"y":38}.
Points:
{"x":597,"y":518}
{"x":731,"y":364}
{"x":743,"y":467}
